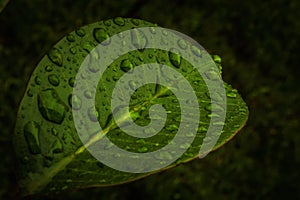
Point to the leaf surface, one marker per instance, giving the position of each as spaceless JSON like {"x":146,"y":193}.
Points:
{"x":50,"y":155}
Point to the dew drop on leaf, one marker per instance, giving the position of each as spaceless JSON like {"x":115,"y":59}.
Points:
{"x":55,"y":56}
{"x":208,"y":107}
{"x":54,"y":131}
{"x":152,"y":30}
{"x":184,"y":146}
{"x":163,"y":155}
{"x":80,"y":32}
{"x":202,"y":128}
{"x":48,"y":68}
{"x":76,"y":105}
{"x":107,"y":22}
{"x":212,"y":75}
{"x":182,"y":44}
{"x":57,"y":146}
{"x":218,"y":123}
{"x":53,"y":79}
{"x":51,"y":106}
{"x":101,"y":35}
{"x":72,"y":81}
{"x":29,"y":93}
{"x":119,"y":21}
{"x":31,"y":133}
{"x":175,"y":59}
{"x":217,"y":59}
{"x":143,"y":150}
{"x":140,"y":141}
{"x":196,"y":51}
{"x":71,"y":38}
{"x":138,"y":39}
{"x":132,"y":84}
{"x":37,"y":80}
{"x":126,"y":65}
{"x":88,"y":94}
{"x":88,"y":46}
{"x":93,"y":114}
{"x":232,"y":93}
{"x":136,"y":22}
{"x":73,"y":50}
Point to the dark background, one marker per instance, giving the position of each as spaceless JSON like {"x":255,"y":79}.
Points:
{"x":259,"y":45}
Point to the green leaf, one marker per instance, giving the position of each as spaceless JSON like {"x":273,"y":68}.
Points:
{"x":3,"y":3}
{"x":50,"y":155}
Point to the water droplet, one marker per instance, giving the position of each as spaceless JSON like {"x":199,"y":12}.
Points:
{"x":232,"y":93}
{"x":150,"y":55}
{"x":72,"y":82}
{"x":208,"y":107}
{"x":196,"y":51}
{"x":140,"y":141}
{"x":55,"y":56}
{"x":71,"y":38}
{"x":217,"y":59}
{"x":164,"y":32}
{"x":143,"y":150}
{"x":88,"y":46}
{"x":156,"y":144}
{"x":108,"y":79}
{"x":37,"y":80}
{"x":217,"y":97}
{"x":182,"y":44}
{"x":29,"y":93}
{"x":51,"y":106}
{"x":134,"y":115}
{"x":107,"y":22}
{"x":127,"y":148}
{"x":57,"y":146}
{"x":132,"y":84}
{"x":212,"y":75}
{"x":48,"y":68}
{"x":101,"y":35}
{"x":149,"y":130}
{"x":138,"y":38}
{"x":115,"y":78}
{"x":73,"y":50}
{"x":175,"y":59}
{"x":242,"y":110}
{"x":219,"y":123}
{"x":119,"y":21}
{"x":126,"y":65}
{"x":184,"y":146}
{"x":172,"y":127}
{"x":163,"y":155}
{"x":214,"y":114}
{"x":53,"y":79}
{"x":54,"y":131}
{"x":202,"y":129}
{"x":152,"y":30}
{"x":136,"y":22}
{"x":31,"y":133}
{"x":88,"y":94}
{"x":93,"y":114}
{"x":189,"y":134}
{"x":76,"y":105}
{"x":80,"y":32}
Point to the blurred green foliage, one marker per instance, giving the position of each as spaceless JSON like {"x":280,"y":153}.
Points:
{"x":259,"y":45}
